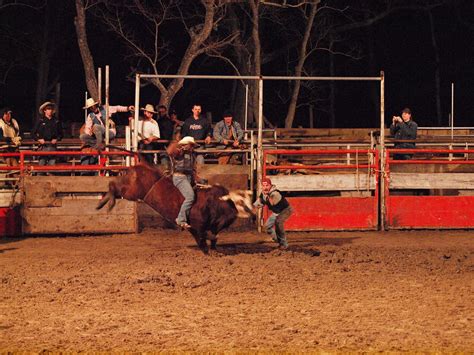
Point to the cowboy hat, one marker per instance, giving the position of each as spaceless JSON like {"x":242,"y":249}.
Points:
{"x":149,"y":108}
{"x":188,"y":140}
{"x":90,"y":102}
{"x":45,"y":105}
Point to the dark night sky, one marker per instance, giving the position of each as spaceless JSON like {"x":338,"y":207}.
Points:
{"x":402,"y":48}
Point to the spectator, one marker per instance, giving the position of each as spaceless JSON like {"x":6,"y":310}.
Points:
{"x":183,"y":172}
{"x":10,"y":134}
{"x":280,"y":208}
{"x":166,"y":131}
{"x":228,"y":134}
{"x":403,"y":128}
{"x":93,"y":131}
{"x":148,"y":133}
{"x":47,"y":132}
{"x":178,"y":124}
{"x":199,"y":128}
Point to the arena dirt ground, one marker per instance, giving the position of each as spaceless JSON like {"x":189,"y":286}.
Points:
{"x":358,"y":291}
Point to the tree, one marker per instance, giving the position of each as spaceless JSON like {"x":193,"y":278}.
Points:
{"x":148,"y":30}
{"x":87,"y":59}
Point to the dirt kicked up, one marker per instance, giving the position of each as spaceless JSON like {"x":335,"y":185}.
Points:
{"x":360,"y":291}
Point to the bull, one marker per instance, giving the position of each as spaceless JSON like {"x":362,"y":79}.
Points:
{"x":214,"y":209}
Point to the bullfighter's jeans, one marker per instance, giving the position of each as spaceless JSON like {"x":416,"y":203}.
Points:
{"x":183,"y":183}
{"x":275,"y":225}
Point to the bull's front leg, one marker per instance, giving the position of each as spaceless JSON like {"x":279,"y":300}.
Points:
{"x":200,"y":238}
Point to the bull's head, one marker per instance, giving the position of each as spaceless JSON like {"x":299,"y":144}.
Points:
{"x":242,"y":200}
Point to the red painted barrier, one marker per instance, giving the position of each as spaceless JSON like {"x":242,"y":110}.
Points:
{"x":10,"y":222}
{"x":427,"y":212}
{"x":430,"y":212}
{"x":333,"y":213}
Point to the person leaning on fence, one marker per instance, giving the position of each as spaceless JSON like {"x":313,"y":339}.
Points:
{"x":280,"y":208}
{"x":183,"y":172}
{"x":93,"y":131}
{"x":149,"y":133}
{"x":228,"y":134}
{"x":47,"y":132}
{"x":178,"y":124}
{"x":403,"y":128}
{"x":9,"y":135}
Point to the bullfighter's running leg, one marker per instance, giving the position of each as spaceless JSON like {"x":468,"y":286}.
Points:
{"x":269,"y":226}
{"x":280,"y":226}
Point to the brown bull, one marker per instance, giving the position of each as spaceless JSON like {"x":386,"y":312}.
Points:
{"x":213,"y":210}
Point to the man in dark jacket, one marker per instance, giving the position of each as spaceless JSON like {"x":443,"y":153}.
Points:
{"x":166,"y":131}
{"x":47,"y":132}
{"x":199,"y":128}
{"x":403,"y":128}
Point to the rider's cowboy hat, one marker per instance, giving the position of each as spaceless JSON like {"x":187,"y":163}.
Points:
{"x":45,"y":105}
{"x":90,"y":102}
{"x":188,"y":140}
{"x":148,"y":108}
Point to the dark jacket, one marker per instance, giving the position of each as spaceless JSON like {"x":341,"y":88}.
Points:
{"x":48,"y":129}
{"x":198,"y":129}
{"x":166,"y":127}
{"x":404,"y":130}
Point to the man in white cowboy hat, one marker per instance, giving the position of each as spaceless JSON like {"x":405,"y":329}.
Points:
{"x":148,"y":132}
{"x":183,"y":172}
{"x":94,"y":129}
{"x":47,"y":132}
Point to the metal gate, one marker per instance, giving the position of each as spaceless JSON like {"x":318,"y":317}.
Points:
{"x":334,"y":190}
{"x":433,"y":191}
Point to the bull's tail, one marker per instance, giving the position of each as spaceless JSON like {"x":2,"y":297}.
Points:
{"x":109,"y":198}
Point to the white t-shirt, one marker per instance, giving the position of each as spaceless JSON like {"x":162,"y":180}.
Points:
{"x":148,"y":128}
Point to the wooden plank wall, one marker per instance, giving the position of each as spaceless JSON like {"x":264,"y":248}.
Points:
{"x":66,"y":205}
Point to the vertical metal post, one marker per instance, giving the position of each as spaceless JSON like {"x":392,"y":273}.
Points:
{"x":85,"y":110}
{"x":259,"y":147}
{"x":127,"y":144}
{"x":137,"y":108}
{"x":382,"y":150}
{"x":246,"y":119}
{"x":107,"y":113}
{"x":57,"y":98}
{"x":99,"y":85}
{"x":452,"y":111}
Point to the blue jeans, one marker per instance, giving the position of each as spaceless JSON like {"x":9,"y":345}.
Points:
{"x":47,"y":160}
{"x":97,"y":138}
{"x":183,"y":183}
{"x":275,"y":226}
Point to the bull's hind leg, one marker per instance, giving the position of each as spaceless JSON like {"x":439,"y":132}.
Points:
{"x":213,"y":239}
